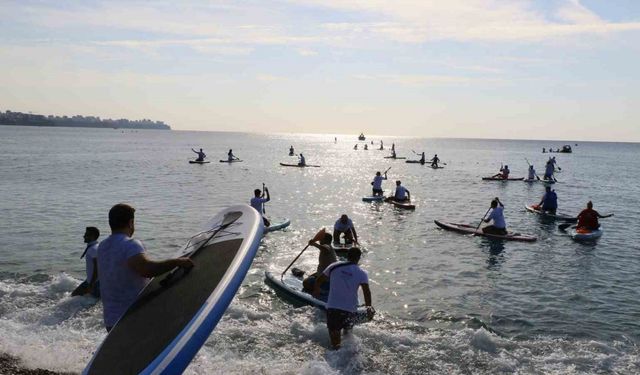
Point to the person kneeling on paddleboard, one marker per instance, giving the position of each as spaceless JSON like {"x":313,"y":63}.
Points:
{"x":344,"y":280}
{"x":344,"y":225}
{"x":291,"y":151}
{"x":422,"y":159}
{"x":90,"y":285}
{"x":588,"y":218}
{"x":504,"y":173}
{"x":549,"y":169}
{"x":124,"y":268}
{"x":401,"y":194}
{"x":326,"y":256}
{"x":258,"y":202}
{"x":201,"y":155}
{"x":549,"y":201}
{"x":230,"y":156}
{"x":377,"y":184}
{"x":302,"y":161}
{"x":497,"y":215}
{"x":532,"y":173}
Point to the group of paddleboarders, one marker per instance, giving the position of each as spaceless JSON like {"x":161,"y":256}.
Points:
{"x":230,"y":156}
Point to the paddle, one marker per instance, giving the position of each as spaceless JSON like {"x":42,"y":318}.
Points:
{"x":572,"y":220}
{"x":264,"y":209}
{"x":535,"y":174}
{"x":481,"y":220}
{"x":317,"y":237}
{"x":564,"y":226}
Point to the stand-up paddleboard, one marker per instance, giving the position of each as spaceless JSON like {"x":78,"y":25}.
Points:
{"x":198,"y":162}
{"x":502,"y":179}
{"x":397,"y":157}
{"x":277,"y":226}
{"x":469,"y":229}
{"x":341,"y":249}
{"x":231,"y":161}
{"x":415,"y":162}
{"x":290,"y":287}
{"x":585,"y":234}
{"x":175,"y":313}
{"x":378,"y":198}
{"x":299,"y":166}
{"x":438,"y":167}
{"x":556,"y":216}
{"x":404,"y":205}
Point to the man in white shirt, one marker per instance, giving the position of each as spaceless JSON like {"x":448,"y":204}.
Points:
{"x":258,"y":202}
{"x":497,"y":215}
{"x":124,"y":268}
{"x":90,"y":284}
{"x":344,"y":225}
{"x":401,"y":194}
{"x":377,"y":184}
{"x":342,"y":306}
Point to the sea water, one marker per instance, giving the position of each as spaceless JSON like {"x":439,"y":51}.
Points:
{"x":446,"y":303}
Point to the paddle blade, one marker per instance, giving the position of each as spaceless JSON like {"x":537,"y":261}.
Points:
{"x":320,"y":235}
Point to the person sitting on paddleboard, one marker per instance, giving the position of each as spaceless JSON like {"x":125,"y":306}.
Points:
{"x":365,"y":147}
{"x":291,"y":151}
{"x":326,"y":256}
{"x":588,"y":218}
{"x":342,"y":305}
{"x":344,"y":225}
{"x":401,"y":193}
{"x":377,"y":184}
{"x":504,"y":173}
{"x":302,"y":161}
{"x":124,"y":268}
{"x":532,"y":173}
{"x":548,"y":170}
{"x":355,"y":147}
{"x":90,"y":285}
{"x":434,"y":161}
{"x":393,"y":153}
{"x":422,"y":159}
{"x":231,"y":156}
{"x":201,"y":155}
{"x":497,"y":215}
{"x":549,"y":201}
{"x":258,"y":202}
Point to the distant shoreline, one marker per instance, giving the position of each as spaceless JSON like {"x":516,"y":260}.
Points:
{"x":27,"y":119}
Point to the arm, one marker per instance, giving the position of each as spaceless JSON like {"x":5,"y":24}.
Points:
{"x":268,"y":195}
{"x":409,"y":194}
{"x":367,"y":300}
{"x":145,"y":267}
{"x":316,"y":286}
{"x":355,"y":235}
{"x":194,"y":151}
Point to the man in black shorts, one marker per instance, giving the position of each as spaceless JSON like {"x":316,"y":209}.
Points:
{"x":342,"y":305}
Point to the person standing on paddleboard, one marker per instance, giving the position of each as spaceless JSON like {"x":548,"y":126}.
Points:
{"x":549,"y":201}
{"x":201,"y":155}
{"x":401,"y":194}
{"x":124,"y":268}
{"x":377,"y":184}
{"x":326,"y":256}
{"x":549,"y":169}
{"x":344,"y":280}
{"x":588,"y":218}
{"x":90,"y":284}
{"x":344,"y":225}
{"x":422,"y":158}
{"x":258,"y":202}
{"x":532,"y":173}
{"x":434,"y":161}
{"x":497,"y":215}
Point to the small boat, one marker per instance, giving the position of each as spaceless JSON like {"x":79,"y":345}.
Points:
{"x":299,"y":166}
{"x":361,"y":137}
{"x":469,"y":229}
{"x":502,"y":179}
{"x":584,"y":234}
{"x":277,"y":226}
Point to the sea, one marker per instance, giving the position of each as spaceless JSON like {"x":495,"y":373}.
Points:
{"x":446,"y":303}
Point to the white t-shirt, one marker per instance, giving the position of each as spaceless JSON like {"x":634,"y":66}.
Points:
{"x":497,"y":216}
{"x":89,"y":257}
{"x":344,"y":284}
{"x":343,"y":227}
{"x":377,"y":182}
{"x":256,"y":202}
{"x":401,"y":192}
{"x":119,"y":284}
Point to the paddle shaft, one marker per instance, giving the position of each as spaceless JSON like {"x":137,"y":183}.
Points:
{"x":264,"y":209}
{"x":291,"y":264}
{"x":481,"y":220}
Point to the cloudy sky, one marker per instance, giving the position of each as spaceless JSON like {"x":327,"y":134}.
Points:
{"x":544,"y":69}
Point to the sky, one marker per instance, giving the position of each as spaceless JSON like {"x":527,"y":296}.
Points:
{"x":519,"y":69}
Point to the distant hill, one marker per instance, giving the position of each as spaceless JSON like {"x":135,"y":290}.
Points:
{"x":28,"y":119}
